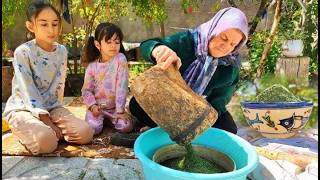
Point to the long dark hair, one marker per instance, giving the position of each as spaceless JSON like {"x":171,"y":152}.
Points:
{"x":104,"y":31}
{"x":34,"y":9}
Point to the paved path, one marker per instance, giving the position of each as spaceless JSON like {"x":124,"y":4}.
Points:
{"x":60,"y":168}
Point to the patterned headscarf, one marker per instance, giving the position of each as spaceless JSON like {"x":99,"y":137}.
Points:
{"x":199,"y":73}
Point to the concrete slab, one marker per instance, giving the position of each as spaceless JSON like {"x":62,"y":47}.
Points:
{"x":8,"y":162}
{"x":135,"y":164}
{"x":44,"y":167}
{"x":60,"y":168}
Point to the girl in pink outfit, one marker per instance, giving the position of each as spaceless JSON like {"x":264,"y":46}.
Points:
{"x":105,"y":85}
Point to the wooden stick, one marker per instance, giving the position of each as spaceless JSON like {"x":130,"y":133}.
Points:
{"x":298,"y":159}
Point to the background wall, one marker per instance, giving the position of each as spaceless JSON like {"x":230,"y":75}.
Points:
{"x":136,"y":31}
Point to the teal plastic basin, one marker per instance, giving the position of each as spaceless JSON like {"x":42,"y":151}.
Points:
{"x":238,"y":149}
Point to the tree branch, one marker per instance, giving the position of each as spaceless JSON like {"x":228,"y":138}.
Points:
{"x":91,"y":20}
{"x":232,"y":3}
{"x":269,"y":41}
{"x":303,"y":13}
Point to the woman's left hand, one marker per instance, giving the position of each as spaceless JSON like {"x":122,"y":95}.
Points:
{"x":123,"y":115}
{"x":123,"y":122}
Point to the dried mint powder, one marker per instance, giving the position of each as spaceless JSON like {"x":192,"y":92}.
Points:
{"x":276,"y":93}
{"x":193,"y":163}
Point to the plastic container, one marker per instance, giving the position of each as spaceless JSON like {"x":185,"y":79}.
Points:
{"x":239,"y":150}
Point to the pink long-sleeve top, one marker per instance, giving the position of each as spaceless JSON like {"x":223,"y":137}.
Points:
{"x":107,"y":83}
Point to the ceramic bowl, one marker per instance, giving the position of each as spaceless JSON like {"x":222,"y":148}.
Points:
{"x":277,"y":120}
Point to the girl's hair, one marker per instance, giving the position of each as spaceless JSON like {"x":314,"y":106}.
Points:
{"x":104,"y":31}
{"x":34,"y":10}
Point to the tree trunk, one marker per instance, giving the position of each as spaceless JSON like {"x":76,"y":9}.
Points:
{"x":303,"y":14}
{"x":263,"y":5}
{"x":108,"y":10}
{"x":162,"y":32}
{"x":269,"y":41}
{"x":58,"y":4}
{"x":231,"y":2}
{"x":90,"y":21}
{"x":75,"y":39}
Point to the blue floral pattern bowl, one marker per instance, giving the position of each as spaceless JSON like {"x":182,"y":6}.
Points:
{"x":277,"y":120}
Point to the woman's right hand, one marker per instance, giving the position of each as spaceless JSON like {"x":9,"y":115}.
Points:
{"x":167,"y":56}
{"x":95,"y":110}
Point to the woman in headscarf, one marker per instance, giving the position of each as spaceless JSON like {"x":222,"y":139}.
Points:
{"x":208,"y":60}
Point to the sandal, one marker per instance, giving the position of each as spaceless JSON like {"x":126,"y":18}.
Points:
{"x":124,"y":139}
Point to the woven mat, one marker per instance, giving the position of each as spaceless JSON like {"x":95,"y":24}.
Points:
{"x":99,"y":147}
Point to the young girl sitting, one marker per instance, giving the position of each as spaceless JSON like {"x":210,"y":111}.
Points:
{"x":34,"y":110}
{"x":105,"y":85}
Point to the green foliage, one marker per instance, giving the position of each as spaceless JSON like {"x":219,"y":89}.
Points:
{"x":150,"y":11}
{"x":256,"y":48}
{"x":270,"y":79}
{"x":75,"y":38}
{"x":311,"y":35}
{"x":290,"y":28}
{"x":187,"y":3}
{"x":92,"y":14}
{"x":136,"y":69}
{"x":4,"y":48}
{"x":237,"y":113}
{"x":289,"y":22}
{"x":9,"y":11}
{"x":246,"y":75}
{"x":156,"y":10}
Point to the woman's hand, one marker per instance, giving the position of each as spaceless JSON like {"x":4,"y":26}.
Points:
{"x":123,"y":122}
{"x":123,"y":115}
{"x":166,"y":56}
{"x":45,"y":118}
{"x":95,"y":110}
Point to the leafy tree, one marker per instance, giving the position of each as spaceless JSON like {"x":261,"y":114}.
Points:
{"x":9,"y":11}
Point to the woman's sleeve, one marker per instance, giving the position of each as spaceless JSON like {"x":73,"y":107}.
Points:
{"x":221,"y":96}
{"x":24,"y":82}
{"x":88,"y":87}
{"x":181,"y":43}
{"x":122,"y":85}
